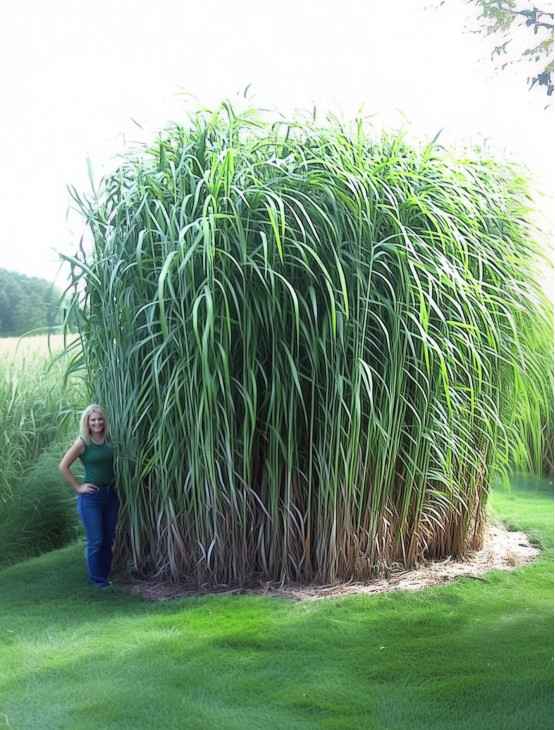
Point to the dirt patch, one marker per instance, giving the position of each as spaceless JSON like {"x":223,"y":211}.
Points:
{"x":503,"y":550}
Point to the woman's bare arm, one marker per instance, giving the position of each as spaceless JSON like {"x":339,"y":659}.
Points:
{"x":73,"y":453}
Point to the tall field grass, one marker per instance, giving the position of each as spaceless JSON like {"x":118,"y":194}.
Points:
{"x":36,"y":405}
{"x":316,"y":348}
{"x":40,"y":514}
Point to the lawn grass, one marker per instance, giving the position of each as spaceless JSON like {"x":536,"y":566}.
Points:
{"x":473,"y":654}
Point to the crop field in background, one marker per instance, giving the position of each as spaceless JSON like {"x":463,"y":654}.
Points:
{"x":34,"y":345}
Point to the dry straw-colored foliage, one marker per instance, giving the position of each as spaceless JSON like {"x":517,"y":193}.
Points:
{"x":502,"y":550}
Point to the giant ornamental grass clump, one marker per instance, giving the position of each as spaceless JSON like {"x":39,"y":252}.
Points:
{"x":306,"y":341}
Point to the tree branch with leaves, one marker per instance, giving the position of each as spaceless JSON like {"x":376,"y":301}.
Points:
{"x":509,"y":21}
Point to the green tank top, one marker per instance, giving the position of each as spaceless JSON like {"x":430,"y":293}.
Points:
{"x":98,"y":460}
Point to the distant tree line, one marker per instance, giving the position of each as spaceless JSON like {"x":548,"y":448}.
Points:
{"x":27,"y":303}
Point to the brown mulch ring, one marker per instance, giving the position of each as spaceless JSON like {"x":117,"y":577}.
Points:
{"x":503,"y":550}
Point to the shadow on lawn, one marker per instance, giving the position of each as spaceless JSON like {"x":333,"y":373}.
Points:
{"x":462,"y":656}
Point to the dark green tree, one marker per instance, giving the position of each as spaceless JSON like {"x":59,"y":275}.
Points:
{"x":27,"y":303}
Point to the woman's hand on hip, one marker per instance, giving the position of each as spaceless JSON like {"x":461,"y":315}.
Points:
{"x":86,"y":488}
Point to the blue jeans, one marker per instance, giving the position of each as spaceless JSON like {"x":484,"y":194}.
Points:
{"x":99,"y":514}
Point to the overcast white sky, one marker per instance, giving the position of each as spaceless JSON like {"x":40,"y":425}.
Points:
{"x":76,"y":73}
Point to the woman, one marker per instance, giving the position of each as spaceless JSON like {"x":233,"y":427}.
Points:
{"x":97,"y":500}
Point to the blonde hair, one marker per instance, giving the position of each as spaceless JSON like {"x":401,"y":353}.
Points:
{"x":84,"y":430}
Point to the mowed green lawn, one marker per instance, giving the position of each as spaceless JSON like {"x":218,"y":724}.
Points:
{"x":473,"y":654}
